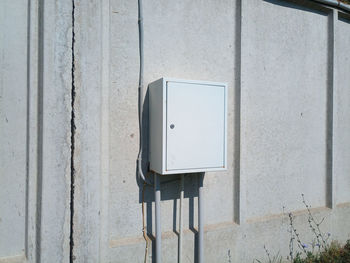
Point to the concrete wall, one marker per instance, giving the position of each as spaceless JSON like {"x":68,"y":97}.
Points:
{"x":35,"y":97}
{"x":287,"y":68}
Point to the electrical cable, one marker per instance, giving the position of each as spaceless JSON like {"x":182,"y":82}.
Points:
{"x":140,"y":173}
{"x":140,"y":107}
{"x":140,"y":98}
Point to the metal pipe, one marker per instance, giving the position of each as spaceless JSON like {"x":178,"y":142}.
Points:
{"x":334,"y":3}
{"x":181,"y":217}
{"x":344,"y":7}
{"x":200,"y":219}
{"x":158,"y":224}
{"x":328,"y":2}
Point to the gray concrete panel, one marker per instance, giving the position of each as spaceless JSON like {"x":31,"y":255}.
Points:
{"x":13,"y":123}
{"x":284,"y":106}
{"x":341,"y":111}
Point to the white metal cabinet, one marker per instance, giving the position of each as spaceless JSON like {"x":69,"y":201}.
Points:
{"x":187,"y":126}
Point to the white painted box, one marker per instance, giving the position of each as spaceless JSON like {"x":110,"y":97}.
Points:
{"x":188,"y":126}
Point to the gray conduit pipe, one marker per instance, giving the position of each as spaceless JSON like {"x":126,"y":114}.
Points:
{"x":181,"y":217}
{"x":334,"y":3}
{"x":158,"y":224}
{"x":200,"y":219}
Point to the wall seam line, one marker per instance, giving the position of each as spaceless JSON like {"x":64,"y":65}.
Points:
{"x":329,"y":121}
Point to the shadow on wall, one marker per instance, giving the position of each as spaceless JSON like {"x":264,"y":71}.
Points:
{"x":304,"y":5}
{"x":344,"y":18}
{"x":170,"y":188}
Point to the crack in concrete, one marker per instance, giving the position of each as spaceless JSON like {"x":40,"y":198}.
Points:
{"x":73,"y":128}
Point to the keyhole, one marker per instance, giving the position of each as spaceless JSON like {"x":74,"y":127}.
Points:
{"x":172,"y":126}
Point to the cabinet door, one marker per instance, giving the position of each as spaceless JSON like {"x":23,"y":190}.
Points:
{"x":195,"y":126}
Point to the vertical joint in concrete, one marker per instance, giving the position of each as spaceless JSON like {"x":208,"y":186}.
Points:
{"x":40,"y":124}
{"x":73,"y":128}
{"x":237,"y":116}
{"x":330,"y":180}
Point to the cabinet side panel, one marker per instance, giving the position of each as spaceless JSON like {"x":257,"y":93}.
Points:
{"x":156,"y":124}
